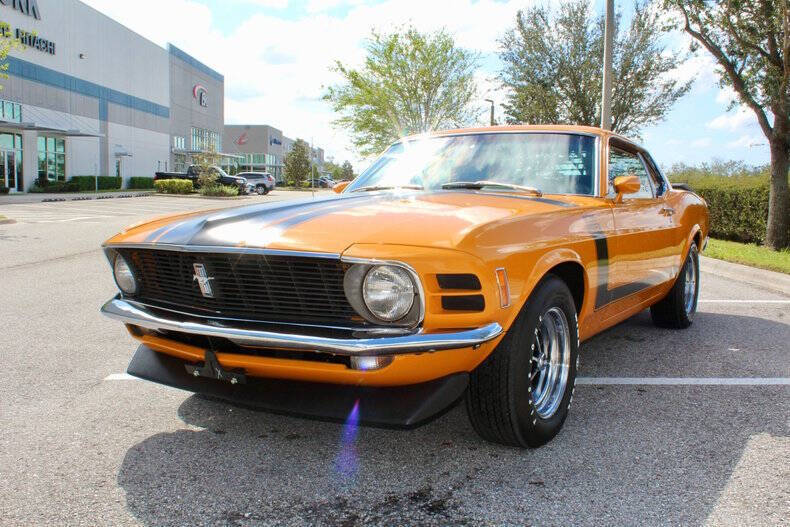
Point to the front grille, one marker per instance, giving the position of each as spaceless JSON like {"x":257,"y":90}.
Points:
{"x":260,"y":287}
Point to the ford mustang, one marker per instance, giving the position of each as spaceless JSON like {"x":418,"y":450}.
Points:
{"x":462,"y":265}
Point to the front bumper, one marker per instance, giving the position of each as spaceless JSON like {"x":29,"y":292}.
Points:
{"x":136,"y":314}
{"x":398,"y":406}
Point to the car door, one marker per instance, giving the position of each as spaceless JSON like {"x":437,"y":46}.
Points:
{"x":643,"y":248}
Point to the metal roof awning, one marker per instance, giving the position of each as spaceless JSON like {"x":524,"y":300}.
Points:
{"x":25,"y":126}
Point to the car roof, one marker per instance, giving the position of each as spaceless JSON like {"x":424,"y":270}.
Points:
{"x":590,"y":130}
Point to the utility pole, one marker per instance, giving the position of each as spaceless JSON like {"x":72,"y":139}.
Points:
{"x":492,"y":110}
{"x":606,"y":101}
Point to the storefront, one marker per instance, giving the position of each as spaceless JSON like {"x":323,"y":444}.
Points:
{"x":87,"y":96}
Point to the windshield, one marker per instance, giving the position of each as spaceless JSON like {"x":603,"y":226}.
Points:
{"x":551,"y":162}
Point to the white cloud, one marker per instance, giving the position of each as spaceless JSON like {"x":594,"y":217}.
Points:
{"x":733,"y":121}
{"x":747,"y":141}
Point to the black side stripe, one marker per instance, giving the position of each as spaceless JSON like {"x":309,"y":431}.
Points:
{"x":603,"y":295}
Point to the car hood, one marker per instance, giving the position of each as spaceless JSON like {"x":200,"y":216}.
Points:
{"x":445,"y":219}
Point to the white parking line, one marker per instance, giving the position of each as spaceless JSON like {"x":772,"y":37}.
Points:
{"x":744,"y":301}
{"x":686,"y":381}
{"x":120,"y":377}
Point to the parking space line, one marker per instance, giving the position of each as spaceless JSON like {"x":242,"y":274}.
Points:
{"x":120,"y":377}
{"x":744,"y":301}
{"x":685,"y":381}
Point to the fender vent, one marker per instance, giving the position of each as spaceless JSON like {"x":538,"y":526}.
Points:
{"x":467,"y":282}
{"x":464,"y":303}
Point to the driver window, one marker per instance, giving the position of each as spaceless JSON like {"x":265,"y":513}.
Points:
{"x":622,"y":163}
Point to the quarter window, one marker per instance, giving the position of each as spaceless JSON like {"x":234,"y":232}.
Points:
{"x":622,"y":163}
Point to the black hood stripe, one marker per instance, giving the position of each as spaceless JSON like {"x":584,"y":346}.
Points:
{"x":281,"y":215}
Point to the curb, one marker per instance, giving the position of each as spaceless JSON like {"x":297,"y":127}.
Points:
{"x":198,"y":196}
{"x":762,"y":278}
{"x":88,"y":198}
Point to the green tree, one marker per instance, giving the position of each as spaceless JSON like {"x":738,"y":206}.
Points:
{"x":204,"y":163}
{"x":297,"y":163}
{"x":553,"y":63}
{"x":750,"y":40}
{"x":6,"y":45}
{"x":347,"y":171}
{"x":410,"y":83}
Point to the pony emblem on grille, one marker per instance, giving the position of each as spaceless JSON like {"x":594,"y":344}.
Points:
{"x":203,"y":280}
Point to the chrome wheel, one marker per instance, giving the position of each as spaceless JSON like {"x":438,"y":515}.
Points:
{"x":551,"y":357}
{"x":690,"y":285}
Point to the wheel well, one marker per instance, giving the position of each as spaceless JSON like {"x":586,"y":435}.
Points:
{"x":572,"y":274}
{"x":698,"y":240}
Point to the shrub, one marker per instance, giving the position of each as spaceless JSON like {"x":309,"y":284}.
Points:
{"x":88,"y":183}
{"x":44,"y":185}
{"x":140,"y":183}
{"x":4,"y":190}
{"x":224,"y":191}
{"x":174,"y":186}
{"x":737,"y":198}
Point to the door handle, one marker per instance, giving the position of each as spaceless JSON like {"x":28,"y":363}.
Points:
{"x":667,"y":211}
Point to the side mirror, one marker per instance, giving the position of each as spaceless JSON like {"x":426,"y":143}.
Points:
{"x":626,"y":185}
{"x":340,"y":187}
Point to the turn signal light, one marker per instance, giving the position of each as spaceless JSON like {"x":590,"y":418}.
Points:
{"x":370,"y":363}
{"x":504,"y":287}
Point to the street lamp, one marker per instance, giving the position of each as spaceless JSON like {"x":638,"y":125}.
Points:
{"x":492,"y":110}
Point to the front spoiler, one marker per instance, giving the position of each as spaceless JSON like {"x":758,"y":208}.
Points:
{"x":395,"y":407}
{"x":140,"y":315}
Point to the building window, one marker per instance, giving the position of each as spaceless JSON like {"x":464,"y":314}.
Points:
{"x":51,"y":158}
{"x":179,"y":143}
{"x":180,"y":163}
{"x":10,"y":111}
{"x":204,"y":140}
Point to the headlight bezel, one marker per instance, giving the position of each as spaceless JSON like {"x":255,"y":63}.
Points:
{"x":353,"y":284}
{"x":115,"y":262}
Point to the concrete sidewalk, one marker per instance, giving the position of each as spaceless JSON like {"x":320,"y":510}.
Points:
{"x":769,"y":280}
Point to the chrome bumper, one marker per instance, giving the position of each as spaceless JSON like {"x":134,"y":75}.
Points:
{"x":139,"y":315}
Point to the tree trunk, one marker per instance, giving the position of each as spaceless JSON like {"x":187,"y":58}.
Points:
{"x":779,"y":201}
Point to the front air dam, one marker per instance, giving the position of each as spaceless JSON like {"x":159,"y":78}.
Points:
{"x":391,"y":407}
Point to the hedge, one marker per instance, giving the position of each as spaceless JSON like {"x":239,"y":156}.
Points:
{"x":174,"y":186}
{"x":85,"y":183}
{"x":737,"y":198}
{"x":140,"y":183}
{"x":225,"y":191}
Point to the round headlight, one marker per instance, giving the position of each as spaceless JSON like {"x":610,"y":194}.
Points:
{"x":124,"y":276}
{"x":388,"y":292}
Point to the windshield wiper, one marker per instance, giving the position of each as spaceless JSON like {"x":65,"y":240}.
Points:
{"x":477,"y":185}
{"x":372,"y":188}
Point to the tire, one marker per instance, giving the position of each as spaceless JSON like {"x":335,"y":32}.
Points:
{"x":677,"y":309}
{"x":266,"y":190}
{"x":504,"y":401}
{"x":260,"y":190}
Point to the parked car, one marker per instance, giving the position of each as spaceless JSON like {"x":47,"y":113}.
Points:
{"x":258,"y":182}
{"x":326,"y":182}
{"x":193,"y":172}
{"x":468,"y":263}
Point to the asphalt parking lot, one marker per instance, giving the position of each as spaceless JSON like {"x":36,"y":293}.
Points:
{"x":667,"y":427}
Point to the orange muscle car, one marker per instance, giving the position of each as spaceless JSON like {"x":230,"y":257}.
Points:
{"x":467,"y":263}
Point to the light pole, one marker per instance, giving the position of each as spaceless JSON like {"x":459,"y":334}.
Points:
{"x":492,"y":110}
{"x":606,"y":98}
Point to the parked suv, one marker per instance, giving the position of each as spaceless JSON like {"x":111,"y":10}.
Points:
{"x":259,"y":182}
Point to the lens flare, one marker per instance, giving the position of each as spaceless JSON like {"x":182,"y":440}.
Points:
{"x":346,"y":461}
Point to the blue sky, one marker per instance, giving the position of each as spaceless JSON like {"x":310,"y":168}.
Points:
{"x":276,"y":55}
